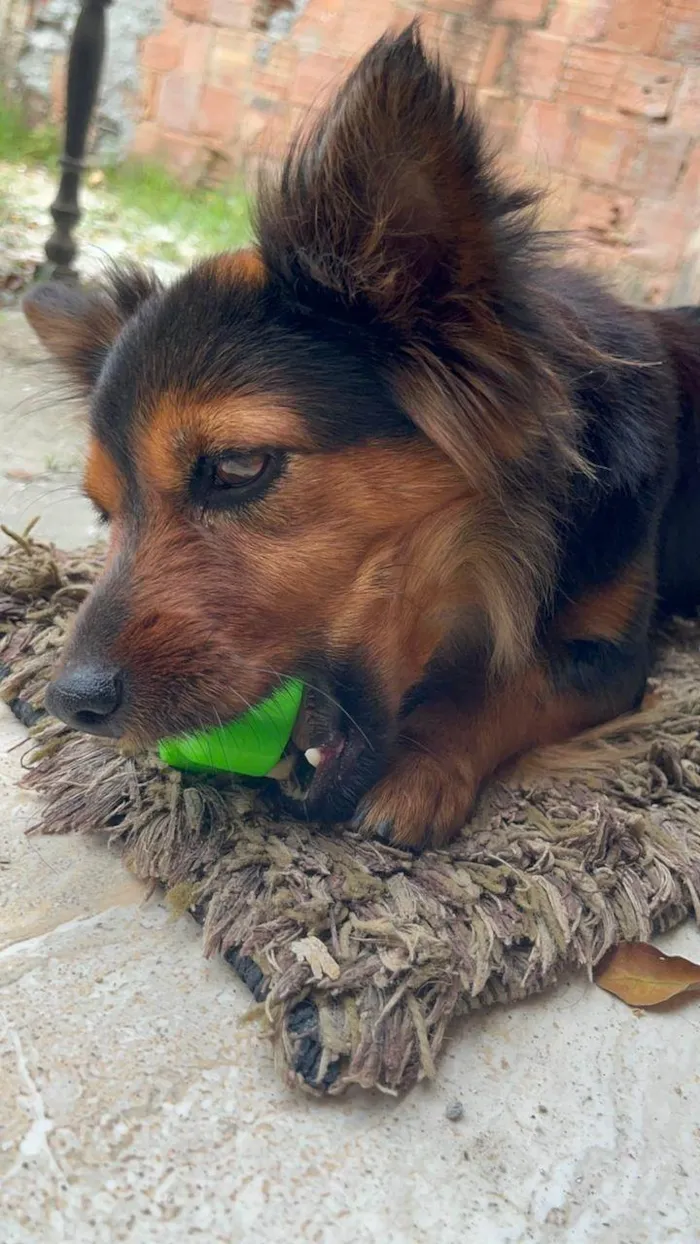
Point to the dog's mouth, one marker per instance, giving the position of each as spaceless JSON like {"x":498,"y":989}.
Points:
{"x":338,"y":750}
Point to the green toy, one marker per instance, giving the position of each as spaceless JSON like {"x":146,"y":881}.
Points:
{"x":250,"y":746}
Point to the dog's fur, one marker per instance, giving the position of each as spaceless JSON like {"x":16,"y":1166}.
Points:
{"x":482,"y":470}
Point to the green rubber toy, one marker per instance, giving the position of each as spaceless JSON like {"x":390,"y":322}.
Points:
{"x":249,"y":746}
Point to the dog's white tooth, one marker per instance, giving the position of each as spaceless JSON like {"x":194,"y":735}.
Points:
{"x":314,"y":757}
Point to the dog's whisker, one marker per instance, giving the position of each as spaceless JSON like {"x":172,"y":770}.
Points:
{"x":47,"y":506}
{"x":265,"y":669}
{"x":35,"y":404}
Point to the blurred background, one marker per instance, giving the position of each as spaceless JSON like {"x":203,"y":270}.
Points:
{"x":598,"y":99}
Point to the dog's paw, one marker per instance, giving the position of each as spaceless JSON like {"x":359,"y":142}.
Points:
{"x":419,"y":803}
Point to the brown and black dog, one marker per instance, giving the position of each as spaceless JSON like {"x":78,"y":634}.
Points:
{"x":392,"y":450}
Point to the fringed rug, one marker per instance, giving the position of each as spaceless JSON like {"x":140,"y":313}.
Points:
{"x":359,"y":954}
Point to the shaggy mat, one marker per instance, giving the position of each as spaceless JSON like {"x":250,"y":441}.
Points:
{"x":359,"y":954}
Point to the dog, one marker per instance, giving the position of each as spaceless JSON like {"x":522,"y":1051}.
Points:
{"x":395,"y":449}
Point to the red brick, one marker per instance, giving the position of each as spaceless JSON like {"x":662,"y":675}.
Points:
{"x":636,"y":281}
{"x":590,"y":252}
{"x":253,"y":122}
{"x":495,"y":56}
{"x":283,"y":59}
{"x":654,"y":167}
{"x":164,"y":50}
{"x":539,"y":63}
{"x":324,"y":11}
{"x":149,"y":94}
{"x":450,"y":37}
{"x":319,"y":26}
{"x":512,"y":168}
{"x":234,"y":13}
{"x":580,"y":22}
{"x":680,"y":34}
{"x":589,"y":75}
{"x":455,"y":6}
{"x":301,"y":118}
{"x":688,"y":192}
{"x":518,"y":10}
{"x":231,"y":58}
{"x":316,"y":76}
{"x":219,"y":112}
{"x":308,"y":38}
{"x":544,"y":136}
{"x":179,"y":100}
{"x":273,"y":141}
{"x":359,"y":27}
{"x":273,"y":79}
{"x":646,"y":86}
{"x":469,"y":53}
{"x":195,"y":10}
{"x":659,"y":234}
{"x":198,"y":42}
{"x":658,"y":291}
{"x":271,"y":86}
{"x":146,"y":139}
{"x":686,"y":287}
{"x":562,"y":191}
{"x":635,"y":24}
{"x":502,"y":115}
{"x":187,"y":157}
{"x":686,"y":106}
{"x":603,"y":212}
{"x":432,"y":25}
{"x":602,"y":143}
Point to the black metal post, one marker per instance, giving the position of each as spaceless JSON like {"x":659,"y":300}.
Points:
{"x":84,"y":71}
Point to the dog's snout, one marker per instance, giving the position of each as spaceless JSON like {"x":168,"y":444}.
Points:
{"x":87,"y":698}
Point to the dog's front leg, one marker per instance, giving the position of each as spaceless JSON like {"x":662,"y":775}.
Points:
{"x":446,"y":750}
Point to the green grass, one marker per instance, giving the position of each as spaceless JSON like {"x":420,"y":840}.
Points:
{"x":220,"y":218}
{"x":217,"y":219}
{"x":21,"y":145}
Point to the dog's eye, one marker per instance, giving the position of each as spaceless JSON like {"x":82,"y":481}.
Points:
{"x":240,"y":470}
{"x":235,"y":478}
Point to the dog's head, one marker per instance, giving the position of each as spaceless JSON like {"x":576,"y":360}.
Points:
{"x":308,"y":452}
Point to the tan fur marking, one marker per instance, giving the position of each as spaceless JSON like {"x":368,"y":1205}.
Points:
{"x":243,"y":265}
{"x":180,"y":429}
{"x":607,"y":612}
{"x":101,"y":479}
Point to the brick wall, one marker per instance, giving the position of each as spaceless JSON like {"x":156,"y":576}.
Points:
{"x":599,"y":98}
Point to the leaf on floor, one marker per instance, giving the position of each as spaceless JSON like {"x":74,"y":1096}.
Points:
{"x":641,"y":975}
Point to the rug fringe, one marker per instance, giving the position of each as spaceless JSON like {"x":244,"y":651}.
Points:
{"x":361,"y":955}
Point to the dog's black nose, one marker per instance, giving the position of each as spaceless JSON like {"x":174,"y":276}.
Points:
{"x":87,"y":698}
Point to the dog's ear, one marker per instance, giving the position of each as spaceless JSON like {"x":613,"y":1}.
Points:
{"x":387,"y":206}
{"x":391,"y":214}
{"x":79,"y":325}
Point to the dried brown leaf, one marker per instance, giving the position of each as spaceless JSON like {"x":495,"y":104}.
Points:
{"x":642,"y":975}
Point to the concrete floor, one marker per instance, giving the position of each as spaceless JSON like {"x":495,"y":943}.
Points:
{"x":135,"y":1106}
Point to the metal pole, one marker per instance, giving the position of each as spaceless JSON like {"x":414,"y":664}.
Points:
{"x":84,"y":71}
